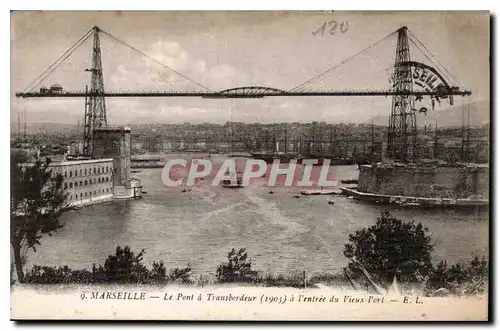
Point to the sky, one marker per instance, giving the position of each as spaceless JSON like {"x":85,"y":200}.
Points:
{"x":222,"y":50}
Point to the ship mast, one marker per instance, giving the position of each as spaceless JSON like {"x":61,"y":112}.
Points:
{"x":285,"y":148}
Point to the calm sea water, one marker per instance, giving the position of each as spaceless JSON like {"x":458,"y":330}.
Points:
{"x":281,"y":233}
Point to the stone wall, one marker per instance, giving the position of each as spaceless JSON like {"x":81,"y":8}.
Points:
{"x":430,"y":182}
{"x":114,"y":142}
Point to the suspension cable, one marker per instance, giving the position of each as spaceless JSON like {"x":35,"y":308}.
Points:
{"x":316,"y":78}
{"x":430,"y":60}
{"x":434,"y":57}
{"x":44,"y":75}
{"x":154,"y":60}
{"x":451,"y":79}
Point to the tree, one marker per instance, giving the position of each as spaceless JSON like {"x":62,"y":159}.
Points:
{"x":57,"y":275}
{"x":158,"y":273}
{"x":461,"y":278}
{"x":125,"y":267}
{"x":237,"y":269}
{"x":37,"y":201}
{"x":391,"y":248}
{"x":181,"y":275}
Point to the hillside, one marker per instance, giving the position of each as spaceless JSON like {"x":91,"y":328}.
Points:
{"x":479,"y":114}
{"x":49,"y":128}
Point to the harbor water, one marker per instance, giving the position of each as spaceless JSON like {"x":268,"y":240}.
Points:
{"x":282,"y":233}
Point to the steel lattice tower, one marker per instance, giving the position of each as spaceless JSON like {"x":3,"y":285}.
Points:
{"x":402,"y":131}
{"x":95,"y":105}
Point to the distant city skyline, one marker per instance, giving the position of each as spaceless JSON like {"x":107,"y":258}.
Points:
{"x":229,"y":49}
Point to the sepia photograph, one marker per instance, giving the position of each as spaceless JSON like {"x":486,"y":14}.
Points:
{"x":250,"y":165}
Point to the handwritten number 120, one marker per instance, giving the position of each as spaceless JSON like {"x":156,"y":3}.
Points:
{"x":332,"y":27}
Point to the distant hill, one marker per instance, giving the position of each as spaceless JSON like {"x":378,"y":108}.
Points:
{"x":479,"y":114}
{"x":50,"y":128}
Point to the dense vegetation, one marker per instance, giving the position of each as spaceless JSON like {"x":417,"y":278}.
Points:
{"x":390,"y":248}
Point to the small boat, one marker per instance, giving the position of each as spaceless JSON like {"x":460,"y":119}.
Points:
{"x":282,"y":157}
{"x":318,"y":192}
{"x":334,"y":160}
{"x":410,"y":204}
{"x":229,"y":183}
{"x":349,"y":181}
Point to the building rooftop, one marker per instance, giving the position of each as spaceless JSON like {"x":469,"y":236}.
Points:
{"x":114,"y":129}
{"x":76,"y":162}
{"x":58,"y":163}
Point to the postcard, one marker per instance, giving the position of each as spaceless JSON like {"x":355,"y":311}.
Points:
{"x":241,"y":166}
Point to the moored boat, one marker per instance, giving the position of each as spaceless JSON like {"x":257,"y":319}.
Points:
{"x":282,"y":157}
{"x":231,"y":183}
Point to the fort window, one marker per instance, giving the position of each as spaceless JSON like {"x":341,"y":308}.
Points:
{"x":85,"y":193}
{"x":98,"y":170}
{"x":65,"y":174}
{"x":76,"y":184}
{"x":107,"y":169}
{"x":81,"y":195}
{"x":70,"y":185}
{"x":65,"y":185}
{"x":71,"y":173}
{"x":90,"y":181}
{"x":81,"y":183}
{"x":85,"y":172}
{"x":90,"y":192}
{"x":76,"y":196}
{"x":86,"y":182}
{"x":94,"y":171}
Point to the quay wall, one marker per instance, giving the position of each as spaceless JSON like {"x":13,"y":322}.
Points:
{"x":428,"y":182}
{"x":91,"y":200}
{"x":114,"y":142}
{"x":146,"y":164}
